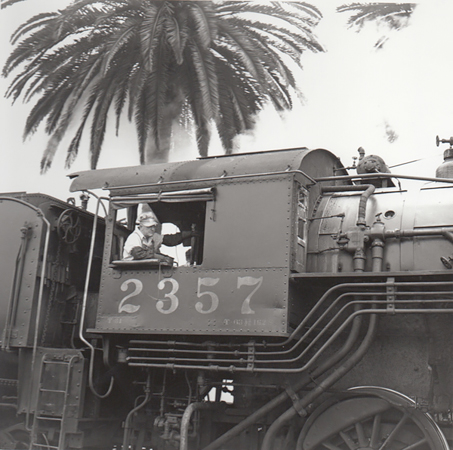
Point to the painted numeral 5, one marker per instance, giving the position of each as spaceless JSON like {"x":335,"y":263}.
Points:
{"x":214,"y":298}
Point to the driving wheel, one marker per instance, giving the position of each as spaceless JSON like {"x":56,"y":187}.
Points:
{"x":371,"y":418}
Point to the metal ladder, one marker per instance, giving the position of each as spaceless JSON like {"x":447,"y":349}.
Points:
{"x":41,"y":415}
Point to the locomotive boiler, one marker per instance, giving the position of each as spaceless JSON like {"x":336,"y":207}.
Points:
{"x":311,"y":308}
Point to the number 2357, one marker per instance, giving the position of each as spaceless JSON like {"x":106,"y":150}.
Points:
{"x":208,"y":300}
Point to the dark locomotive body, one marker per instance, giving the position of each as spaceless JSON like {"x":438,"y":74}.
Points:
{"x":311,"y":309}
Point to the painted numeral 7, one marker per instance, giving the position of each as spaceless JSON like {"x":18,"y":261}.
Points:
{"x":249,"y":281}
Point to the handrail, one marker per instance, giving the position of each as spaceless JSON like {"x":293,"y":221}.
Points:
{"x":15,"y":291}
{"x":84,"y":307}
{"x":366,"y":176}
{"x":211,"y":179}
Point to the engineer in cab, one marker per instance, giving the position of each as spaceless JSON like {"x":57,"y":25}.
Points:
{"x":145,"y":242}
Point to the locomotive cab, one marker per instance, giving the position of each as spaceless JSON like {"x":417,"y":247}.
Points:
{"x":250,"y":218}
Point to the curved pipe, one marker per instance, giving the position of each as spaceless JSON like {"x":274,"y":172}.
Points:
{"x":322,"y":386}
{"x":283,"y":396}
{"x":185,"y":421}
{"x":344,"y":369}
{"x":127,"y":422}
{"x":301,"y":325}
{"x":362,"y":204}
{"x":371,"y":311}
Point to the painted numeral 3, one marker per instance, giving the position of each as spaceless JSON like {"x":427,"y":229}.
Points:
{"x":174,"y":301}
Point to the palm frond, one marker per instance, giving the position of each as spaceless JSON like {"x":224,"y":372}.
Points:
{"x":37,"y":21}
{"x":206,"y":80}
{"x":6,"y":3}
{"x":73,"y":148}
{"x":117,"y":43}
{"x":391,"y":13}
{"x":203,"y":20}
{"x":151,"y":30}
{"x":105,"y":92}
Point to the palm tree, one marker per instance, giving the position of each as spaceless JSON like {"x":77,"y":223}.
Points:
{"x":394,"y":15}
{"x":207,"y":63}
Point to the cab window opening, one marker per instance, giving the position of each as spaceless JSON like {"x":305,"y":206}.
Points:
{"x":180,"y":227}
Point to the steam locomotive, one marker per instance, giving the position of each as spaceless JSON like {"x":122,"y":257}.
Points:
{"x":311,"y":310}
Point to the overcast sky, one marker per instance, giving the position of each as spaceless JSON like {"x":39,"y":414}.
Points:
{"x":355,"y":96}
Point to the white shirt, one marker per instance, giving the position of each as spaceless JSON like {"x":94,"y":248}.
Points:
{"x":137,"y":239}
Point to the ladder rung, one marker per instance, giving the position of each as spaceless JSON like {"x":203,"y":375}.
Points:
{"x":56,"y":362}
{"x":57,"y":391}
{"x":56,"y":419}
{"x":35,"y":444}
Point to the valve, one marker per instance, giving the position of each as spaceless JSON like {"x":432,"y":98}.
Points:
{"x":444,"y":141}
{"x":447,"y":262}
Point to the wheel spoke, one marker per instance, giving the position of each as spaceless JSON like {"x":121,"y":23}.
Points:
{"x":363,"y":441}
{"x":375,"y":433}
{"x":349,"y":442}
{"x":330,"y":446}
{"x":416,"y":445}
{"x":395,"y":430}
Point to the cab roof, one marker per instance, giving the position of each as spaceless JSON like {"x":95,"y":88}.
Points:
{"x":313,"y":163}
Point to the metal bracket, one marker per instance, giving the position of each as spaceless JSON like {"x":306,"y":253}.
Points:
{"x":251,"y":356}
{"x":391,"y":291}
{"x":292,"y":394}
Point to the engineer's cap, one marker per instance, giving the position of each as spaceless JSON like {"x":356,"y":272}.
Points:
{"x":147,"y":219}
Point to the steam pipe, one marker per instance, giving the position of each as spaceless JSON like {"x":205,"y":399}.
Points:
{"x":232,"y":369}
{"x":127,"y":422}
{"x":312,"y":312}
{"x":283,"y":396}
{"x":377,"y":255}
{"x":322,"y":386}
{"x":185,"y":421}
{"x":446,"y":232}
{"x":370,"y":188}
{"x":347,"y":188}
{"x":175,"y":365}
